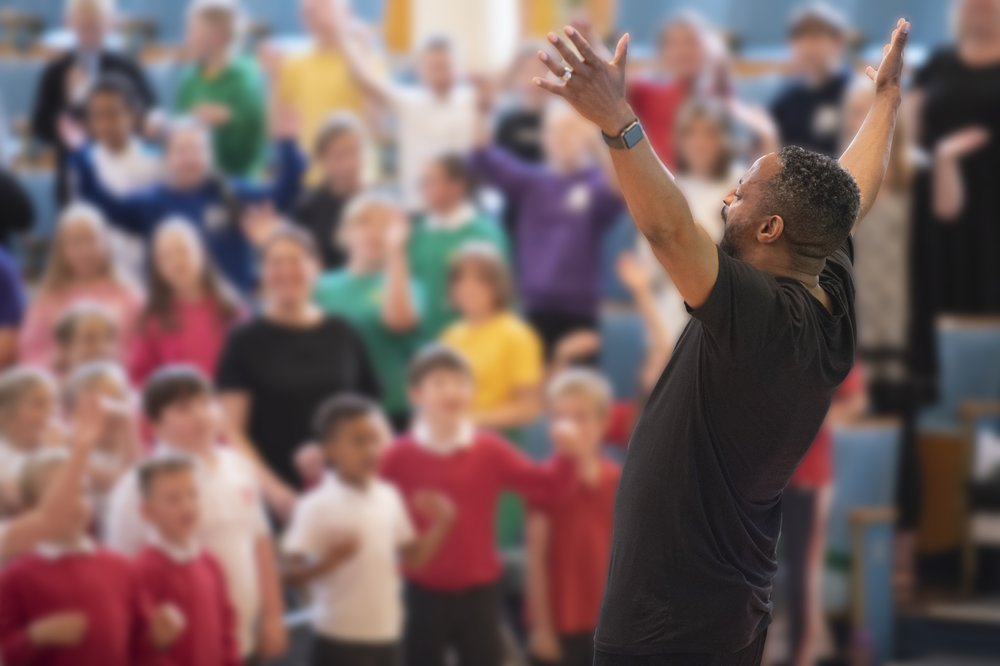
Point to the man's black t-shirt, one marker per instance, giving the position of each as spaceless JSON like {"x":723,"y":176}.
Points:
{"x":287,"y":373}
{"x":698,"y":510}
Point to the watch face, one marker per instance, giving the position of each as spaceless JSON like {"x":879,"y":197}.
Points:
{"x":632,"y":135}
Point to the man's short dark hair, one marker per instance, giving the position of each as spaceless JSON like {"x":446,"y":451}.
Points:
{"x":339,"y":409}
{"x":151,"y":469}
{"x":171,"y":385}
{"x":435,"y":357}
{"x":115,"y":84}
{"x":818,"y":200}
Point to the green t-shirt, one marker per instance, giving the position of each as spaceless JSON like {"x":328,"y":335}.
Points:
{"x":358,"y":298}
{"x":430,"y":255}
{"x":240,"y":144}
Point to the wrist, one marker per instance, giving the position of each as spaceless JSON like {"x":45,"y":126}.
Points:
{"x":616,"y":123}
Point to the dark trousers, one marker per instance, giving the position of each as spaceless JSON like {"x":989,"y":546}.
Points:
{"x":577,"y":650}
{"x":554,"y":326}
{"x":751,"y":655}
{"x":466,"y":622}
{"x":331,"y":652}
{"x":798,"y":518}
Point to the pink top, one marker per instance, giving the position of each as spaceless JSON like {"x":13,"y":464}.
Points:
{"x":197,"y":338}
{"x":37,"y":343}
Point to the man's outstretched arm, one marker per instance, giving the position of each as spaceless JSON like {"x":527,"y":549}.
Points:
{"x":596,"y":90}
{"x":868,"y":155}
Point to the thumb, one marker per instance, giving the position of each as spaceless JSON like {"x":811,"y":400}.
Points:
{"x":621,"y":51}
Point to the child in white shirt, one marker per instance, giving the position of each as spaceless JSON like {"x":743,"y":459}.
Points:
{"x":347,"y":534}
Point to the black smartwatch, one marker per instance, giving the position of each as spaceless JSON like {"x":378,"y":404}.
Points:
{"x":629,"y":137}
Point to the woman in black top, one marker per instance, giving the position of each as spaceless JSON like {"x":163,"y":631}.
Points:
{"x":276,"y":369}
{"x":958,"y":90}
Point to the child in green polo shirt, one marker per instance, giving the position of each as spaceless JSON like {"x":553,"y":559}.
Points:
{"x":449,"y":221}
{"x":224,"y":91}
{"x":376,"y":292}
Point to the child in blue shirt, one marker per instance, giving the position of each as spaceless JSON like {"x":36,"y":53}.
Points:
{"x":190,"y":188}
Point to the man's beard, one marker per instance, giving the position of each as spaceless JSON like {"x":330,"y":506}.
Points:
{"x":729,"y":244}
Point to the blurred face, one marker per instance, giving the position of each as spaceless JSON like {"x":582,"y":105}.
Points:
{"x":190,"y":424}
{"x":288,"y":274}
{"x":178,"y":257}
{"x":354,"y":449}
{"x":343,"y":162}
{"x":700,"y":145}
{"x":443,"y":396}
{"x":171,"y":505}
{"x":978,"y":17}
{"x":188,"y":157}
{"x":816,"y":52}
{"x":472,"y":293}
{"x":364,"y":236}
{"x":441,"y":193}
{"x":25,"y":423}
{"x":81,"y":510}
{"x":744,"y":210}
{"x":89,"y":22}
{"x":322,"y":18}
{"x":94,"y":339}
{"x":83,"y":248}
{"x":583,"y":413}
{"x":524,"y":71}
{"x":566,"y":139}
{"x":209,"y":34}
{"x":682,"y":51}
{"x":109,"y":120}
{"x":436,"y":69}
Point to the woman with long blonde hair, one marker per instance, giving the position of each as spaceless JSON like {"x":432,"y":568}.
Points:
{"x":80,"y":267}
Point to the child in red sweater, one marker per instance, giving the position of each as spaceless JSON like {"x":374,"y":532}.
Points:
{"x":177,"y":573}
{"x":569,"y":541}
{"x":104,"y":619}
{"x":453,"y":600}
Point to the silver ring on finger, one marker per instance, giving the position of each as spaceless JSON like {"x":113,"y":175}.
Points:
{"x":567,"y":73}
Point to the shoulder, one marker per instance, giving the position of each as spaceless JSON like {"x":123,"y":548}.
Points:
{"x":237,"y":462}
{"x":517,"y":329}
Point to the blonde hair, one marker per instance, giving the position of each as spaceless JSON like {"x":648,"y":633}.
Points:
{"x":17,"y":382}
{"x":585,"y":382}
{"x":485,"y":258}
{"x":89,"y":375}
{"x":360,"y":205}
{"x":57,"y":275}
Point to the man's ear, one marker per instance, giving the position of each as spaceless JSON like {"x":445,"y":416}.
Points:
{"x":771,"y":230}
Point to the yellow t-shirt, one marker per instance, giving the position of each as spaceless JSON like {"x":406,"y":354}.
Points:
{"x":317,"y":83}
{"x":505,"y":355}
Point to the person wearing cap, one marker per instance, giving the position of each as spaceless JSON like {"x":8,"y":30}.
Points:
{"x":223,"y":90}
{"x":807,"y":110}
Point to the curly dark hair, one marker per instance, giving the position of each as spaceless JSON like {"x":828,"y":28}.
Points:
{"x":818,"y":200}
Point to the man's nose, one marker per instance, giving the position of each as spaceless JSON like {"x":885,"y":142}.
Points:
{"x":728,"y":199}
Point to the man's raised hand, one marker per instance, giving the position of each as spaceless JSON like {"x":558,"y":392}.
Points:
{"x":890,"y":70}
{"x":593,"y":86}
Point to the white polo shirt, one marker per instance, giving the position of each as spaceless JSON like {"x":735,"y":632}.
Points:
{"x":360,"y":600}
{"x":232,"y":520}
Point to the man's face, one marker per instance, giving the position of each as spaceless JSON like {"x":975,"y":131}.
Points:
{"x":744,"y":209}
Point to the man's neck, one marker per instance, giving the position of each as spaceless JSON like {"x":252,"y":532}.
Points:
{"x":202,"y":450}
{"x":117,"y":147}
{"x":442,"y":430}
{"x":358,"y":483}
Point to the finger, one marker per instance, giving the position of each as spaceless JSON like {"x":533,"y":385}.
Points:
{"x":549,"y":61}
{"x":550,"y":86}
{"x":582,"y":45}
{"x":621,"y":51}
{"x":871,"y":72}
{"x":565,"y":51}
